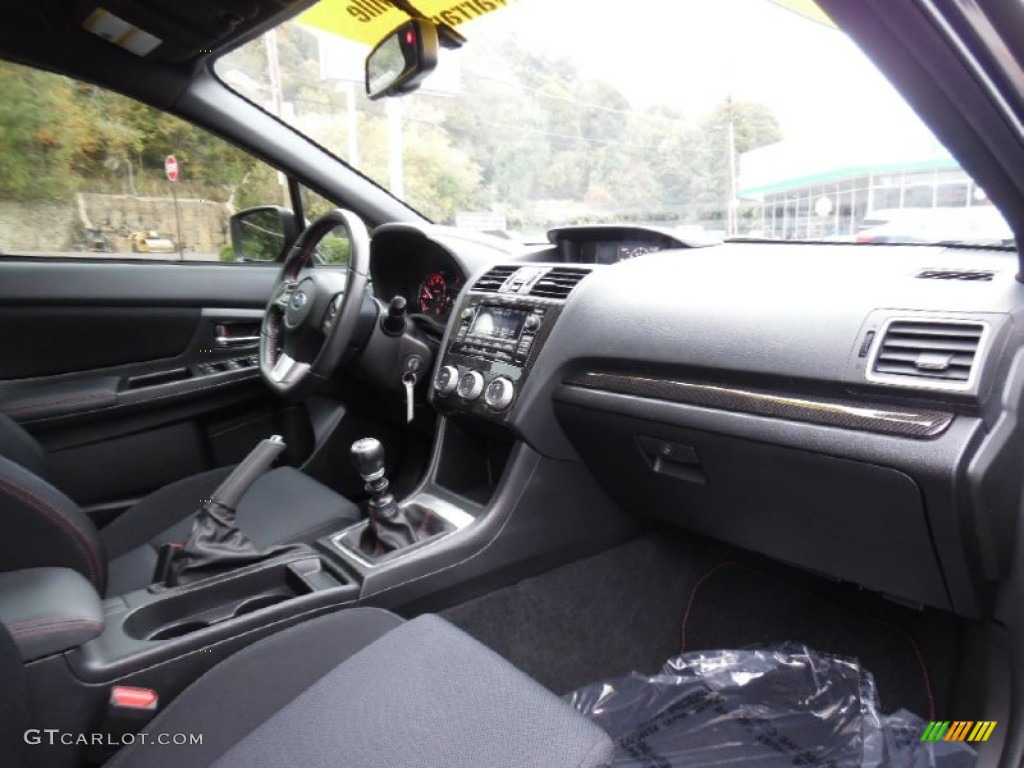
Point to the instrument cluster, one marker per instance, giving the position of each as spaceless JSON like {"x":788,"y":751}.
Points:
{"x":436,"y":294}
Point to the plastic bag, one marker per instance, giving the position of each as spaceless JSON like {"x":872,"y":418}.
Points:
{"x":786,"y":706}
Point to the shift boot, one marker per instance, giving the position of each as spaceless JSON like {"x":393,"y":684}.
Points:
{"x":216,"y":545}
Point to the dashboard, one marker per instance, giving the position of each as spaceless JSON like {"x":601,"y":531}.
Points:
{"x":838,"y":407}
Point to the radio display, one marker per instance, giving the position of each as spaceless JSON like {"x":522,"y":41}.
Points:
{"x":498,"y":322}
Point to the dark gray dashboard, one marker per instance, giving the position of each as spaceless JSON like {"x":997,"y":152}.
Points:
{"x":733,"y":390}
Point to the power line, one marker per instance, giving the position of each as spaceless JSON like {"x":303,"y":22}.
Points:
{"x":520,"y":128}
{"x":576,"y":102}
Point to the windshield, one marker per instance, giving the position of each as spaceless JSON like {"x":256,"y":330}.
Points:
{"x":738,"y":118}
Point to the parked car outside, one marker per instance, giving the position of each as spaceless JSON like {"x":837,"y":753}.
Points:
{"x":151,"y":242}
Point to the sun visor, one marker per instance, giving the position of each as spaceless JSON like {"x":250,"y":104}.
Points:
{"x":176,"y":30}
{"x":368,"y":21}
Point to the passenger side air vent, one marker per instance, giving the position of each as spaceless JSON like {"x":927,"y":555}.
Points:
{"x":558,"y":283}
{"x":493,"y":279}
{"x":942,"y":352}
{"x":968,"y":275}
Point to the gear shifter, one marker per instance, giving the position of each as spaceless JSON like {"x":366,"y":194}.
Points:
{"x":389,"y":526}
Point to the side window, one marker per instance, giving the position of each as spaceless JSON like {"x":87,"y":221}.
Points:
{"x":334,"y":248}
{"x":84,"y":172}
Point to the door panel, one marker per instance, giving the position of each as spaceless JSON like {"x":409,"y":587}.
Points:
{"x":53,"y":282}
{"x":41,"y":341}
{"x":134,"y":463}
{"x":131,"y":374}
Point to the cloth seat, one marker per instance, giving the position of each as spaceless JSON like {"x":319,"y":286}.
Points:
{"x":361,"y":688}
{"x":43,"y":527}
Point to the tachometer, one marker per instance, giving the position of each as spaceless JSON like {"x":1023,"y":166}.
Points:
{"x":436,"y":294}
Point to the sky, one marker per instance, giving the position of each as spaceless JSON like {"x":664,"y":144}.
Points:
{"x":834,"y":107}
{"x":693,"y":53}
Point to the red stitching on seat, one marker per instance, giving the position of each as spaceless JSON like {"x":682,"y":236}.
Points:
{"x":66,"y":627}
{"x":53,"y":514}
{"x":46,"y":620}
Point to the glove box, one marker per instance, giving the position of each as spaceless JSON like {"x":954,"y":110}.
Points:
{"x":846,"y":518}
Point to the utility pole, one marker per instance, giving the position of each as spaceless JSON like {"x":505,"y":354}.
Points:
{"x":353,"y":124}
{"x":276,"y":97}
{"x":177,"y":221}
{"x":395,"y":148}
{"x":732,"y":224}
{"x":274,"y":70}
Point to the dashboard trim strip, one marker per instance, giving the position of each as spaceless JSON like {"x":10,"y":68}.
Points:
{"x":918,"y":424}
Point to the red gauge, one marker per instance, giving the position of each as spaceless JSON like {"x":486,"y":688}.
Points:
{"x":434,"y":297}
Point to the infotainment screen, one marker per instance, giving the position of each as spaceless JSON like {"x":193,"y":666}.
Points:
{"x":498,"y":322}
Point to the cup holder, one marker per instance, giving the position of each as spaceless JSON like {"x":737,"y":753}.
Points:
{"x":177,"y":630}
{"x":199,"y":607}
{"x":258,"y":602}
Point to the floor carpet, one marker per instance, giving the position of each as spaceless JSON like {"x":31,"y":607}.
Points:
{"x":625,"y":610}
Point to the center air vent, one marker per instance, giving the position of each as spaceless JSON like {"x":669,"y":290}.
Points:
{"x":967,"y":275}
{"x":558,"y":283}
{"x":940,"y":352}
{"x":493,"y":279}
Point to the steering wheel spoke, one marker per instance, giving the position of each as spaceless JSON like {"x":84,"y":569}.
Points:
{"x":287,"y":370}
{"x":332,"y":313}
{"x":284,"y":295}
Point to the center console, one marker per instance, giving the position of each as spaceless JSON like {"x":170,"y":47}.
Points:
{"x":500,"y":328}
{"x":173,"y":626}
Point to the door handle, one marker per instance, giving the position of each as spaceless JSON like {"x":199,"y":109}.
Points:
{"x":236,"y":334}
{"x":236,"y":341}
{"x":673,"y":459}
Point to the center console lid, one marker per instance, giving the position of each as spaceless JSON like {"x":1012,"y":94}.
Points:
{"x":49,"y":610}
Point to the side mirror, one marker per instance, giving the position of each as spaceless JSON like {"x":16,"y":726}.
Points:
{"x":402,"y":59}
{"x":263,"y":233}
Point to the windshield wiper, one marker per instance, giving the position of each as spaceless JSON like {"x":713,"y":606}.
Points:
{"x":1001,"y":245}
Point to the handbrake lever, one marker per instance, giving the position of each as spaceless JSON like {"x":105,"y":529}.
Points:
{"x":231,"y":491}
{"x":215,"y":543}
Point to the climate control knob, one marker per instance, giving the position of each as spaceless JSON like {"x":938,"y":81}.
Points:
{"x":499,"y":394}
{"x":447,"y":380}
{"x":471,"y":385}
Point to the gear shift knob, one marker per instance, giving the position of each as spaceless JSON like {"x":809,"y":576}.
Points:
{"x":368,"y":458}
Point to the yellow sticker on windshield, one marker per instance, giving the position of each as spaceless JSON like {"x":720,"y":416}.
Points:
{"x":368,"y":21}
{"x":808,"y":8}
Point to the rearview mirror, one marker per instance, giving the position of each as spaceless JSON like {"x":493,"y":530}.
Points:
{"x":402,"y":59}
{"x":262,"y":234}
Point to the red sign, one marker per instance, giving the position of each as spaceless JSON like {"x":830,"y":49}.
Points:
{"x":171,"y":168}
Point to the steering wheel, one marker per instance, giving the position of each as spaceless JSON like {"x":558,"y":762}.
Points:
{"x":313,"y":311}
